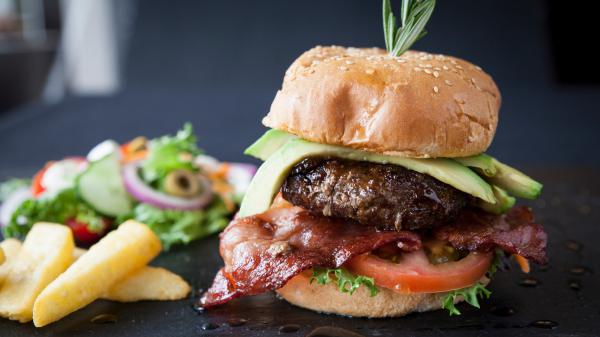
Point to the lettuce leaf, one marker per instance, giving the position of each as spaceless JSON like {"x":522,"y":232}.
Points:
{"x":177,"y":227}
{"x":345,"y":281}
{"x":470,"y":295}
{"x":169,"y":153}
{"x":478,"y":290}
{"x":58,"y":208}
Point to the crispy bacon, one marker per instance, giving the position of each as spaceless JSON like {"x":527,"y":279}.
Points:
{"x":262,"y":252}
{"x":515,"y":232}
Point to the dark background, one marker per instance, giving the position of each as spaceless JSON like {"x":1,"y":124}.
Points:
{"x":219,"y":64}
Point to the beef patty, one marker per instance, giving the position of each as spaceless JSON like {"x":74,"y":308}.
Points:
{"x":382,"y":195}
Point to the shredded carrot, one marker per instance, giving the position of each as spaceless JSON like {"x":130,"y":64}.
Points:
{"x":523,"y":263}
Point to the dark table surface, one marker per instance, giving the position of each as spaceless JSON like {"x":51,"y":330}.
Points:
{"x":566,"y":294}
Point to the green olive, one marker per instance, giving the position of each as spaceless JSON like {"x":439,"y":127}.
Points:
{"x":182,"y":183}
{"x":137,"y":144}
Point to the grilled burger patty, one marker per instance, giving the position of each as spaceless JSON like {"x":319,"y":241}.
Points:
{"x":385,"y":196}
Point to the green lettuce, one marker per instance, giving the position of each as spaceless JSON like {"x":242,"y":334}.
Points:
{"x":176,"y":227}
{"x":472,"y":294}
{"x":168,"y":153}
{"x":58,"y":208}
{"x":346,"y":282}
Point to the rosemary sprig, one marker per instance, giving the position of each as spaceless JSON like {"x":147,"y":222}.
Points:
{"x":414,"y":16}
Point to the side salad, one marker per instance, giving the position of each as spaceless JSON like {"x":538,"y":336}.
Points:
{"x":166,"y":183}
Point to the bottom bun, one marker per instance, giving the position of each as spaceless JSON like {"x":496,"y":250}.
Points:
{"x":328,"y":299}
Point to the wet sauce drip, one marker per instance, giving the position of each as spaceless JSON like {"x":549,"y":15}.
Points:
{"x":289,"y":328}
{"x":502,"y":311}
{"x":544,"y":324}
{"x":573,"y":245}
{"x":209,"y":326}
{"x":233,"y":322}
{"x":579,"y":270}
{"x":104,"y":319}
{"x":332,"y":331}
{"x":575,"y":285}
{"x":529,"y":282}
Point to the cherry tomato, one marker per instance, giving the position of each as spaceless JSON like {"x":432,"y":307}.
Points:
{"x":36,"y":183}
{"x":82,"y":234}
{"x":413,"y":273}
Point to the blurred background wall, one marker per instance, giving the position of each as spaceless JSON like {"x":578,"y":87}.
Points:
{"x":75,"y":72}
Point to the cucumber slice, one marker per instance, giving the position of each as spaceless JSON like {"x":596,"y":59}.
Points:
{"x":270,"y":175}
{"x":481,"y":162}
{"x":268,"y":143}
{"x":101,"y":186}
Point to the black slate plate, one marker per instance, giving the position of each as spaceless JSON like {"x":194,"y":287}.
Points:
{"x":566,"y":294}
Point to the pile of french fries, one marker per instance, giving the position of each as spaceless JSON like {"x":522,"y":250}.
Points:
{"x":46,"y":277}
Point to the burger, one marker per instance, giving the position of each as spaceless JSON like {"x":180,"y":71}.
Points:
{"x":376,"y":197}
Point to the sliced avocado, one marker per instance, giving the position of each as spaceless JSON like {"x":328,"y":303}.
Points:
{"x":481,"y":162}
{"x":271,"y":174}
{"x":515,"y":182}
{"x":504,"y":202}
{"x":268,"y":143}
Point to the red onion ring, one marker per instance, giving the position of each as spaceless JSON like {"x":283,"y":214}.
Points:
{"x":144,"y":193}
{"x":10,"y":205}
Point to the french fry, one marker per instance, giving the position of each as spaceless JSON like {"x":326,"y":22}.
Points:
{"x":10,"y":248}
{"x":146,"y":284}
{"x":120,"y":253}
{"x":2,"y":257}
{"x":78,"y":252}
{"x":149,"y":284}
{"x":46,"y":252}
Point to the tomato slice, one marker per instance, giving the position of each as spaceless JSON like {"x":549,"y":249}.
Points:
{"x":415,"y":274}
{"x":82,"y":234}
{"x":36,"y":183}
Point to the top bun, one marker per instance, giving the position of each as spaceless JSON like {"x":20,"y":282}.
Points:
{"x":417,"y":105}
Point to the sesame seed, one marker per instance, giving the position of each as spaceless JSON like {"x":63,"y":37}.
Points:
{"x":448,"y":82}
{"x":401,"y":61}
{"x":436,"y":74}
{"x":478,"y":68}
{"x":417,"y":69}
{"x":473,"y":81}
{"x":370,"y":71}
{"x":343,"y":68}
{"x":458,"y":67}
{"x":427,"y":71}
{"x":445,"y":67}
{"x":436,"y":89}
{"x":348,"y":62}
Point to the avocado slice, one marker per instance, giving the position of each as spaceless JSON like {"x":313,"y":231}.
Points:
{"x":504,"y":202}
{"x":271,"y":174}
{"x":481,"y":162}
{"x":515,"y":182}
{"x":268,"y":143}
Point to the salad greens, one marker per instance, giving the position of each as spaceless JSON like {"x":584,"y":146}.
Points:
{"x":345,"y":281}
{"x":8,"y":187}
{"x":177,"y":227}
{"x":162,"y":156}
{"x":169,"y":153}
{"x":59,"y":208}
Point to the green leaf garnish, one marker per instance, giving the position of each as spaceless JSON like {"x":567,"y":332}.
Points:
{"x":58,"y":209}
{"x":473,"y":293}
{"x":471,"y":296}
{"x":414,"y":17}
{"x":180,"y":227}
{"x":345,"y":281}
{"x":169,"y":153}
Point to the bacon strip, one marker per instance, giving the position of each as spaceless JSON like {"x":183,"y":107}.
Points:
{"x":515,"y":232}
{"x":263,"y":252}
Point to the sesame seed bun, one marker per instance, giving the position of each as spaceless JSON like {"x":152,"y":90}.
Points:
{"x":387,"y":303}
{"x":416,"y":105}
